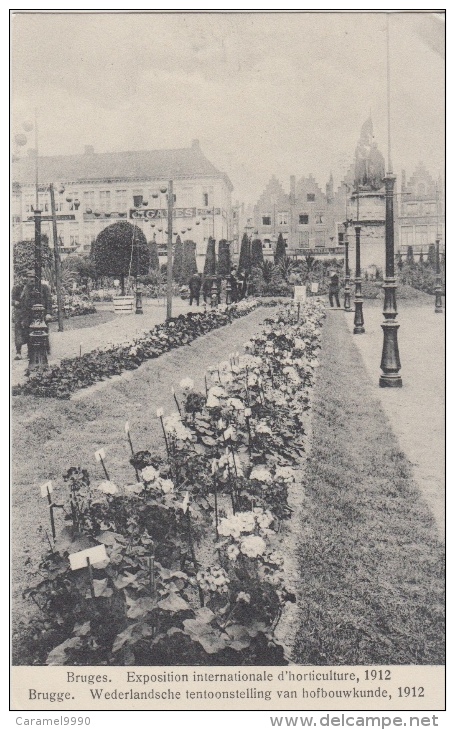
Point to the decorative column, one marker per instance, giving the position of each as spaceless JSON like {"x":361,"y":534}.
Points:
{"x":170,"y":215}
{"x":358,"y":300}
{"x":347,"y":288}
{"x":390,"y":361}
{"x":38,"y":331}
{"x":438,"y":283}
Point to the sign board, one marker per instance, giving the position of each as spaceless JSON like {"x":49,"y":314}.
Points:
{"x":314,"y":287}
{"x":46,"y":489}
{"x":63,"y":217}
{"x":161,"y":213}
{"x":300,"y":293}
{"x":95,"y":554}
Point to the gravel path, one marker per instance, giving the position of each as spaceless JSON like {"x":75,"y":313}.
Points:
{"x":416,"y":411}
{"x":49,"y":436}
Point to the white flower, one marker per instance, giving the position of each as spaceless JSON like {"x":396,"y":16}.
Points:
{"x":248,"y":412}
{"x":236,"y":403}
{"x":107,"y":487}
{"x":252,"y":546}
{"x":264,"y":519}
{"x":236,"y":524}
{"x":212,"y":401}
{"x":262,"y":427}
{"x":232,"y":552}
{"x":149,"y":474}
{"x":285,"y":472}
{"x":159,"y":412}
{"x":243,"y":597}
{"x":217,"y":391}
{"x":187,"y":384}
{"x":261,"y":474}
{"x":167,"y":485}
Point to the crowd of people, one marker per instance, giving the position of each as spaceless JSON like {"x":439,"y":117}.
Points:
{"x":238,"y":287}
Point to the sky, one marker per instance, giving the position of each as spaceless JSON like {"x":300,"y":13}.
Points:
{"x":265,"y":93}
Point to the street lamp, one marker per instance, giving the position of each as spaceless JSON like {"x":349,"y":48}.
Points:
{"x":438,"y":284}
{"x":358,"y":300}
{"x":347,"y":283}
{"x":390,"y":360}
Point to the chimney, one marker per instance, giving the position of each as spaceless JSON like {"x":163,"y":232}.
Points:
{"x":292,"y":189}
{"x":89,"y":149}
{"x":195,"y":144}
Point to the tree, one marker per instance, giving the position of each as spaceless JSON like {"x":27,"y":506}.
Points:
{"x":210,"y":259}
{"x":224,"y":259}
{"x":189,"y":266}
{"x":280,"y":252}
{"x":177,"y":264}
{"x":154,"y":264}
{"x":24,"y":258}
{"x":81,"y":267}
{"x":431,"y":255}
{"x":121,"y":250}
{"x":245,"y":255}
{"x":257,"y":255}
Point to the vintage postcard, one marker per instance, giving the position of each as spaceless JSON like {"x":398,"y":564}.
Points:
{"x":227,"y":361}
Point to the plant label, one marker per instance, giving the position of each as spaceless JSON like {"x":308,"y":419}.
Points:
{"x":46,"y":489}
{"x":299,"y":293}
{"x":186,"y":502}
{"x":95,"y":554}
{"x":100,"y":454}
{"x":127,"y":427}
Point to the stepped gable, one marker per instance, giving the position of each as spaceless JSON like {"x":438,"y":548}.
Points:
{"x":309,"y":185}
{"x":369,"y":161}
{"x":421,"y":177}
{"x":273,"y":194}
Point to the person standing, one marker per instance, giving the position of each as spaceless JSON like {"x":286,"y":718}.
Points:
{"x":195,"y":288}
{"x":206,"y":288}
{"x":334,"y":288}
{"x":23,"y":300}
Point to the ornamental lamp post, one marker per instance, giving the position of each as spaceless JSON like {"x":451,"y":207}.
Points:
{"x":139,"y":202}
{"x":347,"y":283}
{"x":390,"y":360}
{"x":358,"y":300}
{"x":438,"y":283}
{"x":38,"y":331}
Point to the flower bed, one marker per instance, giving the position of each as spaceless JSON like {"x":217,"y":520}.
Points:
{"x":192,"y":571}
{"x":73,"y":306}
{"x":75,"y":373}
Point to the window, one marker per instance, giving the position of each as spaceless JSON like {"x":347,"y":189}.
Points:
{"x":303,"y":219}
{"x":319,"y":239}
{"x":421,"y":235}
{"x":319,"y":218}
{"x":412,"y":209}
{"x":74,"y":235}
{"x":89,"y":199}
{"x":43,"y":202}
{"x":61,"y":234}
{"x":407,"y":237}
{"x":29,"y":201}
{"x":304,"y":239}
{"x":340,"y":239}
{"x":105,"y":201}
{"x":283,"y":218}
{"x":310,"y":197}
{"x":89,"y":235}
{"x":267,"y":243}
{"x":121,"y":200}
{"x":266,"y":220}
{"x":74,"y":194}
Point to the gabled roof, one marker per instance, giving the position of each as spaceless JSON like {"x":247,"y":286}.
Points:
{"x":143,"y":165}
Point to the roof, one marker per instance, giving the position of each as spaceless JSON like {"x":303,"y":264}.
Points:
{"x":163,"y":165}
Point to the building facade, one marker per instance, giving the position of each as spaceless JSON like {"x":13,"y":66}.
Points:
{"x":421,"y":211}
{"x":103,"y":188}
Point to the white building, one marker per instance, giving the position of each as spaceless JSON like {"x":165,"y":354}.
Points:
{"x":100,"y":189}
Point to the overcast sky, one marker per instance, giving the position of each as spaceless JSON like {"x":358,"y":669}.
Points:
{"x":264,"y":93}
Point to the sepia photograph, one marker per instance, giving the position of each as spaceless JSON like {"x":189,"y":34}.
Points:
{"x":227,"y":358}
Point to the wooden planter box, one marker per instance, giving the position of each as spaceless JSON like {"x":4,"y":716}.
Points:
{"x":124,"y":305}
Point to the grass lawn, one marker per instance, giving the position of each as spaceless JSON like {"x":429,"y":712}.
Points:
{"x":372,"y":569}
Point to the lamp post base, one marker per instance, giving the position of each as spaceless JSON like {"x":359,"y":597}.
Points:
{"x":38,"y":340}
{"x":438,"y":300}
{"x":390,"y":362}
{"x":358,"y":304}
{"x":139,"y":309}
{"x":347,"y":296}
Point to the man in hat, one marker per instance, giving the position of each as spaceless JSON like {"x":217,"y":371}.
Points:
{"x":195,"y":288}
{"x":22,"y":300}
{"x":334,"y":288}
